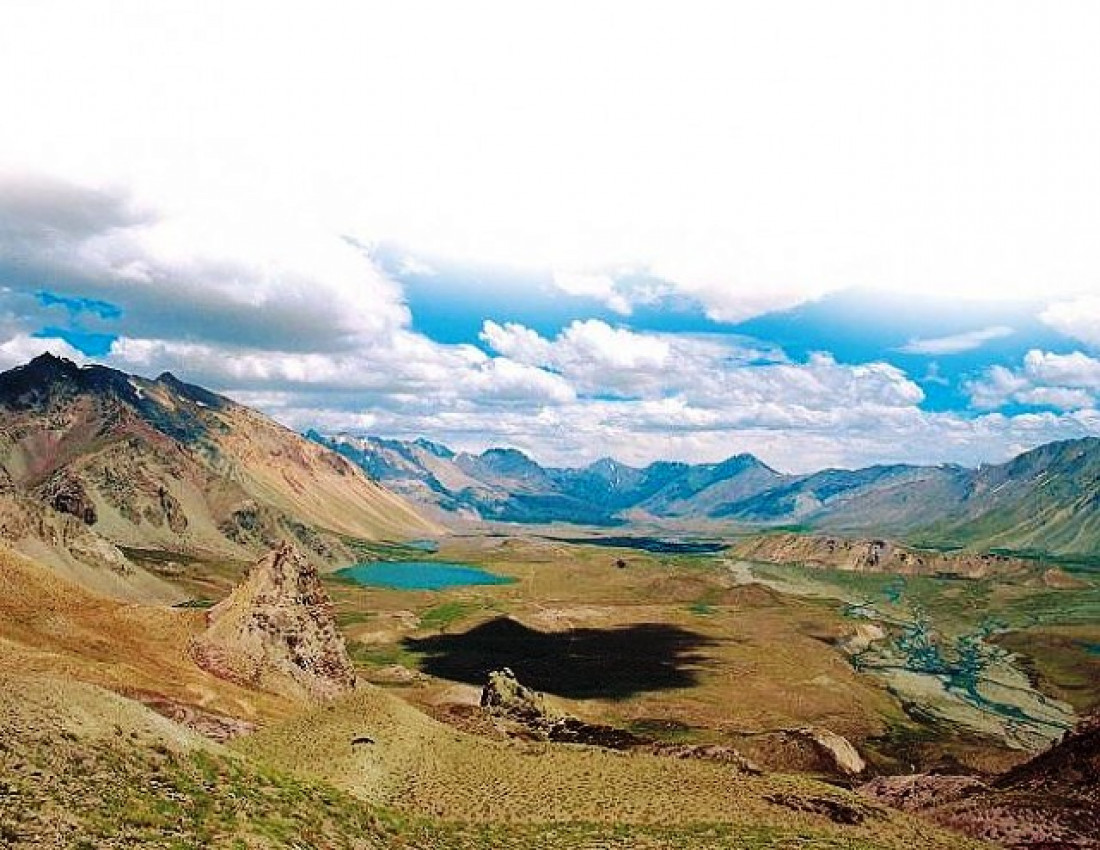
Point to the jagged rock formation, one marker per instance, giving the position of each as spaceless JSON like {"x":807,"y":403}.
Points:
{"x":161,"y":464}
{"x":276,"y":632}
{"x":503,"y":694}
{"x":1051,"y":801}
{"x":526,"y":714}
{"x":66,"y":495}
{"x":75,"y":551}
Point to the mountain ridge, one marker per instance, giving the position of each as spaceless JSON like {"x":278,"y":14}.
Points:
{"x":94,"y":461}
{"x":1045,"y":500}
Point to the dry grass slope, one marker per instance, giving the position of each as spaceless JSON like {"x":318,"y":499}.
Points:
{"x":51,"y":626}
{"x":424,"y":768}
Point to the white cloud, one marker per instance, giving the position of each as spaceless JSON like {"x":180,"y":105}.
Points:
{"x":742,"y":153}
{"x":411,"y":266}
{"x":597,"y":343}
{"x":598,"y":358}
{"x":405,"y":371}
{"x":1060,"y":398}
{"x":598,"y":286}
{"x":20,"y":348}
{"x":703,"y":372}
{"x":198,"y":275}
{"x":997,"y":387}
{"x":501,"y":378}
{"x":1069,"y":370}
{"x":1062,"y":381}
{"x":1078,"y":318}
{"x":956,"y":343}
{"x":517,"y":341}
{"x":591,"y":389}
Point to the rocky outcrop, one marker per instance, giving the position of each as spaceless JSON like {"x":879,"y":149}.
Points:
{"x":838,"y":750}
{"x":75,"y":551}
{"x":504,"y":695}
{"x":874,"y":556}
{"x":721,"y":753}
{"x":210,"y":724}
{"x":524,"y":713}
{"x":66,"y":495}
{"x":521,"y":712}
{"x":806,"y":749}
{"x":276,"y":631}
{"x":1052,"y":801}
{"x":1070,"y":768}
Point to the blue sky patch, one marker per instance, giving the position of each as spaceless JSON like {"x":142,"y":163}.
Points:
{"x":78,"y":306}
{"x":89,"y":343}
{"x":83,"y":314}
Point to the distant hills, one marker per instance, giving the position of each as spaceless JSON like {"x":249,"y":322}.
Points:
{"x":506,"y":485}
{"x":1044,"y":501}
{"x":95,"y":463}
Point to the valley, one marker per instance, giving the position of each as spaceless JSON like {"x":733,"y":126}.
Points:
{"x":742,"y":647}
{"x":268,"y":648}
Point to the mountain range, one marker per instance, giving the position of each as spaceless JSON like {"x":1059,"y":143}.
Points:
{"x":1046,"y":500}
{"x":95,"y":463}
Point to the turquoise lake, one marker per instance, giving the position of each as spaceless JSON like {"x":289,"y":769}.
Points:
{"x":419,"y":575}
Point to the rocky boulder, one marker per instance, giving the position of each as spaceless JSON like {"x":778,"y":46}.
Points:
{"x":504,"y":695}
{"x":276,"y":631}
{"x":838,"y":751}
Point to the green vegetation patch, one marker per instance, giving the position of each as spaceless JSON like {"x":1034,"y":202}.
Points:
{"x":352,"y":618}
{"x":382,"y":655}
{"x":442,"y":616}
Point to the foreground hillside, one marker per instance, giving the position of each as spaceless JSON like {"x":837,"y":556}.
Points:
{"x":94,"y":462}
{"x":1045,"y":501}
{"x":80,"y":767}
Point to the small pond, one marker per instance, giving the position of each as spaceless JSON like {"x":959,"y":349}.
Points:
{"x":419,"y":575}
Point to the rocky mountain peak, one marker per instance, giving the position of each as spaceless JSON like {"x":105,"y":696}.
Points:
{"x":191,"y":392}
{"x":35,"y":378}
{"x":436,"y":449}
{"x":276,"y":631}
{"x":47,"y":360}
{"x":741,"y":462}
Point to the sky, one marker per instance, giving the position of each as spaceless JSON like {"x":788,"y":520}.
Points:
{"x":830,"y":234}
